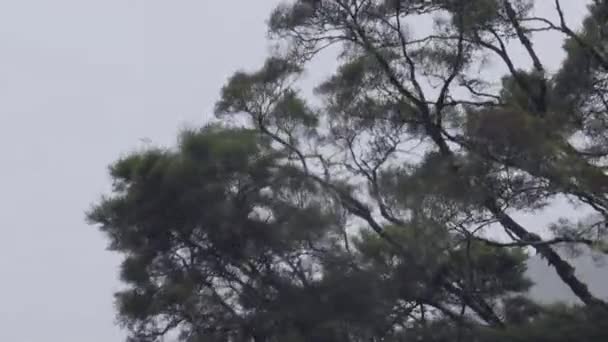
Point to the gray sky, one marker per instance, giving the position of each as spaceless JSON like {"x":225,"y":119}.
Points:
{"x":82,"y":81}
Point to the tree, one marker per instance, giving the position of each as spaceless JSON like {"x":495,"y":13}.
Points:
{"x":222,"y":240}
{"x":375,"y":215}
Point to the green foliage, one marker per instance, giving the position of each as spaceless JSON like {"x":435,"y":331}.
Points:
{"x":244,"y":90}
{"x":373,"y":217}
{"x":557,"y":324}
{"x":189,"y":218}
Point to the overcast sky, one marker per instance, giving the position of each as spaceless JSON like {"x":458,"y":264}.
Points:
{"x":81,"y":82}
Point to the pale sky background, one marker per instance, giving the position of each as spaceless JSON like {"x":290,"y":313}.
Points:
{"x":81,"y":82}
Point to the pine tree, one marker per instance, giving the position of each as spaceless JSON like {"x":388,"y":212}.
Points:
{"x":376,"y":215}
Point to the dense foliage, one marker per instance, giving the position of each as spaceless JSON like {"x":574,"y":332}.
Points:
{"x":387,"y":212}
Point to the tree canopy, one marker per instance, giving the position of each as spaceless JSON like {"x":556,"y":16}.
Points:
{"x":387,"y":212}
